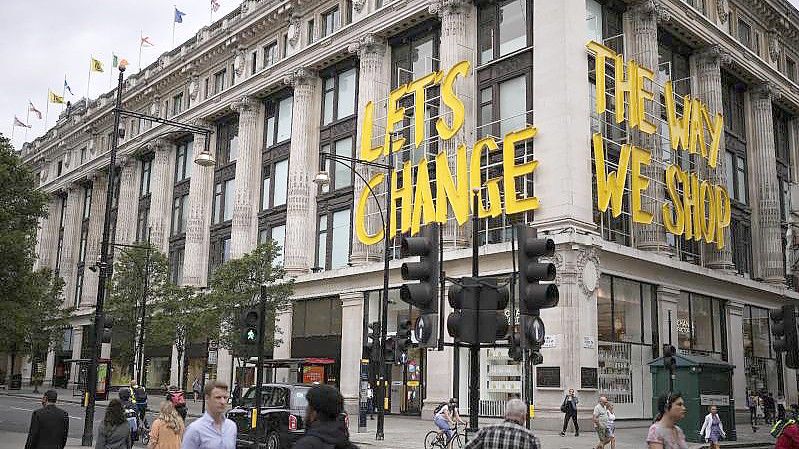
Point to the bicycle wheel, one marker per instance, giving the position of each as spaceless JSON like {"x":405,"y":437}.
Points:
{"x":458,"y":440}
{"x":432,"y":440}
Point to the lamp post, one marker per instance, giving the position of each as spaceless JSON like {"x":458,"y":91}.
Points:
{"x":204,"y":159}
{"x":323,"y":178}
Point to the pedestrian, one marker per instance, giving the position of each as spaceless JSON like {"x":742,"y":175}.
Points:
{"x":750,"y":404}
{"x":781,"y":411}
{"x":115,"y":431}
{"x":712,"y":429}
{"x":130,"y":412}
{"x":770,"y":406}
{"x":49,"y":425}
{"x":213,"y":430}
{"x":611,"y":426}
{"x":600,"y":420}
{"x":178,"y":399}
{"x":140,"y":399}
{"x":197,"y":387}
{"x":510,"y":434}
{"x":787,"y":434}
{"x":167,"y":429}
{"x":664,"y":432}
{"x":324,"y":428}
{"x":760,"y":411}
{"x":370,"y":406}
{"x":569,"y":409}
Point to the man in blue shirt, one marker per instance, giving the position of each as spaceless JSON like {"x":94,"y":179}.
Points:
{"x":213,"y":430}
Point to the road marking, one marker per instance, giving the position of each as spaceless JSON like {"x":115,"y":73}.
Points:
{"x":20,"y":408}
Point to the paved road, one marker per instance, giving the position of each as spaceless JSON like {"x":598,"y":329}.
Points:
{"x":15,"y":415}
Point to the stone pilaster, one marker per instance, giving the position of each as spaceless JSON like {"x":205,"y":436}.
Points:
{"x":303,"y":157}
{"x":160,"y":199}
{"x":707,"y":65}
{"x":641,"y":24}
{"x":72,"y":218}
{"x":127,"y":205}
{"x":49,"y":368}
{"x":373,"y":82}
{"x":49,"y":234}
{"x":458,"y":38}
{"x":283,"y":322}
{"x":96,"y":216}
{"x":198,"y":225}
{"x":668,"y":298}
{"x":351,"y":347}
{"x":766,"y":230}
{"x":77,"y":343}
{"x":562,"y":113}
{"x":243,"y":236}
{"x":735,"y":345}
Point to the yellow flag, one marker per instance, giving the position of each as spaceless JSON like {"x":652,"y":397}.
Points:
{"x":96,"y":65}
{"x":53,"y":98}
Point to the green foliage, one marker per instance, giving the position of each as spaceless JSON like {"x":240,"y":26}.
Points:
{"x":237,"y":284}
{"x":132,"y":266}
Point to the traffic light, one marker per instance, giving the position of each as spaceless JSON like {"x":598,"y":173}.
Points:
{"x":250,"y":318}
{"x":479,"y":315}
{"x":373,"y":341}
{"x":390,"y":350}
{"x":424,"y":294}
{"x":107,"y":329}
{"x":532,"y":332}
{"x":404,"y":335}
{"x":783,"y":328}
{"x":534,"y":296}
{"x":669,"y":362}
{"x":515,"y":349}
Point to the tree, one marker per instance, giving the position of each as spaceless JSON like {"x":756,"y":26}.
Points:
{"x":237,"y":284}
{"x":137,"y":271}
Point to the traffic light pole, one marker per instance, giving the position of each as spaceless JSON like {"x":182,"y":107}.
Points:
{"x":474,"y":350}
{"x":383,"y":368}
{"x":259,"y":373}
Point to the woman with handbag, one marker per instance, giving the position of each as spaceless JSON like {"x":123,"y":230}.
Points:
{"x":569,"y":409}
{"x":712,"y":429}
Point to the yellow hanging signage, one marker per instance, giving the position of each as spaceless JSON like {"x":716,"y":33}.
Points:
{"x":696,"y":208}
{"x":413,"y":197}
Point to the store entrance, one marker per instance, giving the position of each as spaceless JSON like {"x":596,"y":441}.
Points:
{"x":624,"y":378}
{"x":405,"y":384}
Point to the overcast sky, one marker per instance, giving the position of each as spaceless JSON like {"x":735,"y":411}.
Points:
{"x":42,"y":41}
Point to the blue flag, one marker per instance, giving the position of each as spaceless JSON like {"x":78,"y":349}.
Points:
{"x":179,"y":16}
{"x":66,"y":87}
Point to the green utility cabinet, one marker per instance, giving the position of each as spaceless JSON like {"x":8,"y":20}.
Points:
{"x":703,"y":382}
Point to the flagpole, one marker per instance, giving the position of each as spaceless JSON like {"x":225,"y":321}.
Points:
{"x":13,"y":128}
{"x":111,"y":72}
{"x":27,"y":122}
{"x":89,"y":81}
{"x":64,"y":90}
{"x":47,"y":110}
{"x":140,"y":45}
{"x":174,"y":16}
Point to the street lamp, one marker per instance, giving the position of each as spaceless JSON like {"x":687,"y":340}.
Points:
{"x":323,"y":178}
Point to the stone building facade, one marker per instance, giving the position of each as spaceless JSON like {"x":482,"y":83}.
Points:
{"x":281,"y":81}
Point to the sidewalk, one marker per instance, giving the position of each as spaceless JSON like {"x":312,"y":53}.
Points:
{"x":66,"y":395}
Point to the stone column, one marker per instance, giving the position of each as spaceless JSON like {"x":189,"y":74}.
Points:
{"x":373,"y":84}
{"x":303,"y":157}
{"x":72,"y":218}
{"x":668,"y":298}
{"x":127,"y":205}
{"x":49,"y":234}
{"x":562,"y":113}
{"x":244,"y":227}
{"x":735,"y":349}
{"x":351,"y":347}
{"x":49,"y":369}
{"x":641,"y":24}
{"x":77,"y":342}
{"x":707,"y":65}
{"x":765,"y":201}
{"x":96,"y":218}
{"x":458,"y":43}
{"x":160,"y":199}
{"x":283,"y":350}
{"x":197,"y":227}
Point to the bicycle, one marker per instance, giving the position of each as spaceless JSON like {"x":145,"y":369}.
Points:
{"x":144,"y":431}
{"x":438,"y":439}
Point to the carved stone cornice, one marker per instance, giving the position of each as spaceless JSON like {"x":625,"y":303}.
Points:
{"x":441,"y":7}
{"x":723,"y":10}
{"x":713,"y":54}
{"x":300,"y":76}
{"x":774,"y":46}
{"x":765,"y":91}
{"x":358,"y":5}
{"x":239,"y":61}
{"x":651,"y":9}
{"x":295,"y":21}
{"x":368,"y":45}
{"x":244,"y":104}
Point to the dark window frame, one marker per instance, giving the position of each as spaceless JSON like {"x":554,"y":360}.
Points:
{"x":335,"y":74}
{"x":492,"y":27}
{"x":334,"y":15}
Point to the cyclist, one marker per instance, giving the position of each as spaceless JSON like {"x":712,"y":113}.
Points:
{"x":140,"y":399}
{"x":445,"y":416}
{"x":131,"y":414}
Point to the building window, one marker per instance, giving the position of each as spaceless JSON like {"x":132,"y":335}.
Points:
{"x":333,"y":246}
{"x":700,"y":323}
{"x":84,"y":237}
{"x":87,"y":202}
{"x":177,"y":104}
{"x":745,"y":34}
{"x":270,"y":54}
{"x":219,"y":252}
{"x":60,"y":246}
{"x":762,"y":367}
{"x":316,"y":318}
{"x":311,"y":32}
{"x":82,"y":155}
{"x":736,"y":145}
{"x":280,"y":186}
{"x":790,"y":69}
{"x":285,"y":44}
{"x":339,"y":96}
{"x":78,"y":288}
{"x":141,"y":224}
{"x":503,"y":28}
{"x":219,"y":81}
{"x":183,"y":161}
{"x":782,"y":146}
{"x":625,"y":311}
{"x":341,"y":172}
{"x":278,"y":234}
{"x":227,"y":141}
{"x":698,"y":4}
{"x":146,"y":171}
{"x":180,"y":214}
{"x":224,"y":193}
{"x":59,"y":168}
{"x":278,"y":121}
{"x":331,"y":21}
{"x":176,"y":265}
{"x":604,"y":25}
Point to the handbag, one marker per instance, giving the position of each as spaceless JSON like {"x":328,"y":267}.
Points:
{"x":564,"y":408}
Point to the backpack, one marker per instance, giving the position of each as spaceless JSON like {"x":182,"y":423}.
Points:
{"x":140,"y":394}
{"x":779,"y":426}
{"x":133,"y":421}
{"x":177,"y":398}
{"x":438,"y":408}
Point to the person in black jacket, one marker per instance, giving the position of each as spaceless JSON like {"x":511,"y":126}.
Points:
{"x":49,"y":425}
{"x":569,"y":409}
{"x":324,"y":428}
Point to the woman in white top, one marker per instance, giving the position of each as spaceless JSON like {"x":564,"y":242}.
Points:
{"x":611,"y":426}
{"x":712,"y":430}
